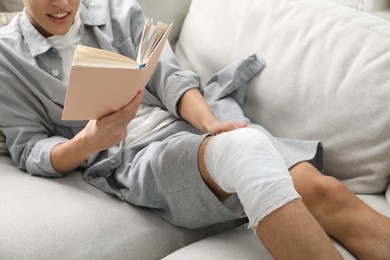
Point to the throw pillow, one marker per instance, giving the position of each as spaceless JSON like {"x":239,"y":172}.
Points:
{"x":326,"y":76}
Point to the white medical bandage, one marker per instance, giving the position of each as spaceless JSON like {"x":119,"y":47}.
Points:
{"x":246,"y":162}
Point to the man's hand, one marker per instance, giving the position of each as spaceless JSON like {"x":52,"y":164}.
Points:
{"x":96,"y":136}
{"x":221,"y":127}
{"x":111,"y":129}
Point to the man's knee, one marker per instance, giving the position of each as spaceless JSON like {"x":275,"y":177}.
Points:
{"x":326,"y":197}
{"x":246,"y":162}
{"x":315,"y":187}
{"x":327,"y":187}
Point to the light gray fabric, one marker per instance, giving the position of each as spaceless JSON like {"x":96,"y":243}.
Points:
{"x":69,"y":219}
{"x":326,"y":76}
{"x":5,"y":18}
{"x":164,"y":175}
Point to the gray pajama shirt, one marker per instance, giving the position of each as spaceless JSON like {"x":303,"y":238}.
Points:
{"x":159,"y":172}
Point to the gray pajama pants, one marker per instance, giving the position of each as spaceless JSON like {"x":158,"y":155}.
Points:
{"x":161,"y":173}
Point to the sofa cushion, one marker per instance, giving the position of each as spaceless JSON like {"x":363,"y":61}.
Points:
{"x":326,"y":76}
{"x":67,"y":218}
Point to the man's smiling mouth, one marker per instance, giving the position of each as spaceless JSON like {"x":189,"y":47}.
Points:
{"x":59,"y":16}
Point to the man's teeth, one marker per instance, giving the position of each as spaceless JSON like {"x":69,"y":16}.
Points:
{"x":59,"y":15}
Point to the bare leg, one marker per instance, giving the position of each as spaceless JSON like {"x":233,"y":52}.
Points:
{"x":290,"y":232}
{"x":362,"y":230}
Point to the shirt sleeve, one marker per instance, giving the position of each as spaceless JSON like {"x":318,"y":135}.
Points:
{"x":38,"y":162}
{"x":169,"y":80}
{"x":28,"y":131}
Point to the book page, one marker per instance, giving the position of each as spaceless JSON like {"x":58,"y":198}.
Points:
{"x":150,"y":39}
{"x":145,"y":34}
{"x":88,"y":56}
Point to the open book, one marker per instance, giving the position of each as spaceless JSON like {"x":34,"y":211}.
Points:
{"x":102,"y":82}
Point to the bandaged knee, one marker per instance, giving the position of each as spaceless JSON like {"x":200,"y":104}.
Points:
{"x":245,"y":161}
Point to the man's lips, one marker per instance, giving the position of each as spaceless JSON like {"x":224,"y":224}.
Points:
{"x":59,"y":15}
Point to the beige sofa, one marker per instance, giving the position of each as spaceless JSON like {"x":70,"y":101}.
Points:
{"x":327,"y":77}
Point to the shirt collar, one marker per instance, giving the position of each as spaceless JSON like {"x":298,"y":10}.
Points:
{"x":35,"y":41}
{"x":87,"y":17}
{"x":38,"y":43}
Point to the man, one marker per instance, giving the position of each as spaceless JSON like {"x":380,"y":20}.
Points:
{"x":167,"y":150}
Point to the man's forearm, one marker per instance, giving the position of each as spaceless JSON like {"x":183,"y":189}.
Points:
{"x":67,"y":156}
{"x":194,"y":108}
{"x":97,"y":135}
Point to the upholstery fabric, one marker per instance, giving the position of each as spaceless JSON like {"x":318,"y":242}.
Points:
{"x":4,"y":19}
{"x":326,"y":76}
{"x":67,"y":218}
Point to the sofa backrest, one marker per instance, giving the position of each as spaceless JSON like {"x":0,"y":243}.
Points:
{"x":169,"y":11}
{"x":327,"y":75}
{"x":8,"y":9}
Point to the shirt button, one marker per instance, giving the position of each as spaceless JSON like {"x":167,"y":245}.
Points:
{"x":90,"y":177}
{"x":55,"y":73}
{"x":113,"y":161}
